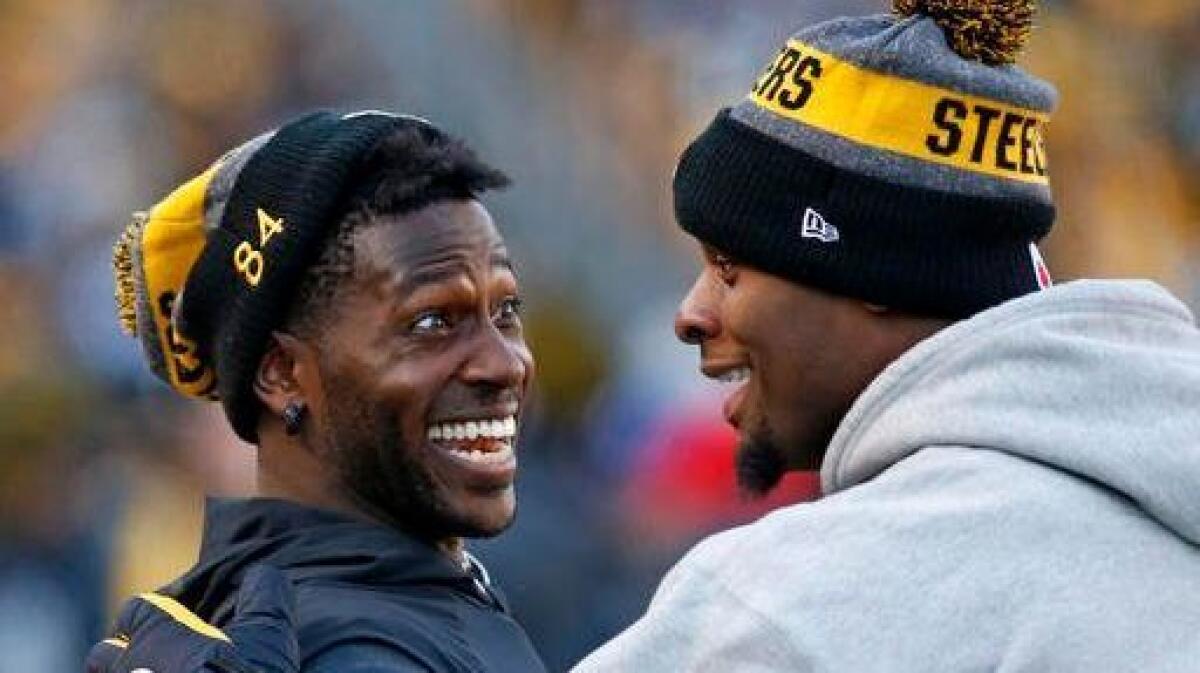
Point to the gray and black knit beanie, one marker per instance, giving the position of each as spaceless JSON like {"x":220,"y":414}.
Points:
{"x":206,"y":274}
{"x":897,"y":158}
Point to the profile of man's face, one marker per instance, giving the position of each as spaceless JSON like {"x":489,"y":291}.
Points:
{"x":423,"y":369}
{"x":797,"y":358}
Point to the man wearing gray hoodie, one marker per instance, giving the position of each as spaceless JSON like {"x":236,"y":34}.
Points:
{"x":1010,"y":470}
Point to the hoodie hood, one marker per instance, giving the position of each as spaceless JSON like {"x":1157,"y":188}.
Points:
{"x":308,"y":544}
{"x":1100,"y":379}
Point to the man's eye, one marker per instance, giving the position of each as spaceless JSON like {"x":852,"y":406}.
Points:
{"x":509,"y":311}
{"x":429,"y":322}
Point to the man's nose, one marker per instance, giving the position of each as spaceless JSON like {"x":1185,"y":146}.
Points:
{"x":696,"y":320}
{"x":498,"y":360}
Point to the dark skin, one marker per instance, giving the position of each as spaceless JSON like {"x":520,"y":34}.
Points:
{"x":425,"y":332}
{"x":809,"y":353}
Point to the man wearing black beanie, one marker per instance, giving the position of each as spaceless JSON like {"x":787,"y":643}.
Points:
{"x":337,"y":285}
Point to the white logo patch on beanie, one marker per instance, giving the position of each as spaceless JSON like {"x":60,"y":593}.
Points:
{"x":815,"y":226}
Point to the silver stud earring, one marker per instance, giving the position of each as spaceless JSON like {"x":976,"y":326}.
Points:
{"x":293,"y":414}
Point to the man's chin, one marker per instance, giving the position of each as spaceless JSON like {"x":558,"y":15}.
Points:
{"x":486,"y":522}
{"x":478,"y":531}
{"x":760,"y":466}
{"x":485,"y":532}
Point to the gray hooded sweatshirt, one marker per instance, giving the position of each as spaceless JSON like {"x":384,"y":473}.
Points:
{"x":1019,"y":492}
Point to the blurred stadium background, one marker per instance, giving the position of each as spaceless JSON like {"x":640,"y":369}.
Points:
{"x":105,"y":105}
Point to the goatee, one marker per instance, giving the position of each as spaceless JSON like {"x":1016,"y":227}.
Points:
{"x":760,"y":466}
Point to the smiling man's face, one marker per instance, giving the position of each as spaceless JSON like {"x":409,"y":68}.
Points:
{"x":422,"y":371}
{"x":798,"y":358}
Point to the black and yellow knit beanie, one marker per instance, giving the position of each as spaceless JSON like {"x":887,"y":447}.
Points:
{"x":897,"y":158}
{"x":205,"y":275}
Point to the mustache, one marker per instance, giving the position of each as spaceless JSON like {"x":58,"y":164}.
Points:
{"x":464,"y":401}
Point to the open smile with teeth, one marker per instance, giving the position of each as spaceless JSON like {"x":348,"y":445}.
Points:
{"x":735,"y":375}
{"x":484,"y":440}
{"x":739,"y":376}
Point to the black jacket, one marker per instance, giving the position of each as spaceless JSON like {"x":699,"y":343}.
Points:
{"x":369,"y":599}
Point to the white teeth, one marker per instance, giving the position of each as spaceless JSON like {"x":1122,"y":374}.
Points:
{"x":494,"y":428}
{"x":501,"y":455}
{"x":735,"y":375}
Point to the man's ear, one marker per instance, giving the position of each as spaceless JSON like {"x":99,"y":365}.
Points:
{"x":283,"y":372}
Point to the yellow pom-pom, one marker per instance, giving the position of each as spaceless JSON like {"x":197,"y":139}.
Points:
{"x":124,"y":274}
{"x":990,"y":31}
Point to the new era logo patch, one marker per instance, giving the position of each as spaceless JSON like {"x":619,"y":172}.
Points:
{"x":815,"y":226}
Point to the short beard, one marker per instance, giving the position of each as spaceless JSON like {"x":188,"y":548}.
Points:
{"x":378,"y":472}
{"x":761,"y":464}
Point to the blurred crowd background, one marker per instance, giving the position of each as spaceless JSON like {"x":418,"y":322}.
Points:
{"x":105,"y":105}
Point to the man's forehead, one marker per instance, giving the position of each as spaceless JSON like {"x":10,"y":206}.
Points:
{"x":403,"y":256}
{"x":441,"y":234}
{"x":456,"y":267}
{"x":450,"y":262}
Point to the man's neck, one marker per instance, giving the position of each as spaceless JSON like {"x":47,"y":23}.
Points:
{"x":289,"y":480}
{"x":292,"y":480}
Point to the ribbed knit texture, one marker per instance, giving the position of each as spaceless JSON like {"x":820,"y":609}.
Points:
{"x":300,"y":176}
{"x":930,"y":252}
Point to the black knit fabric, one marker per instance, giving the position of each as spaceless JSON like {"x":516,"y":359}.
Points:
{"x":939,"y":254}
{"x":301,"y":176}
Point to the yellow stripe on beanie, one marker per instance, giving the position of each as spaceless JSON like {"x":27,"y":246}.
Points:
{"x":911,"y":118}
{"x":173,"y":236}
